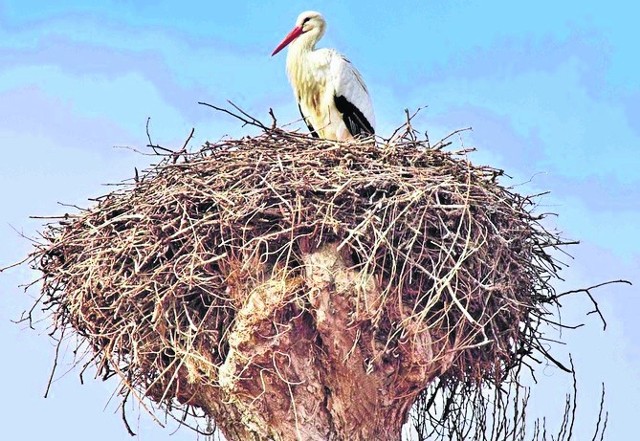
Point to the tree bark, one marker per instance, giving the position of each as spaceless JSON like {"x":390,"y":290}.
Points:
{"x":305,"y":363}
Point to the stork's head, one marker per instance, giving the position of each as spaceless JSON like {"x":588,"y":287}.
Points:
{"x":309,"y":29}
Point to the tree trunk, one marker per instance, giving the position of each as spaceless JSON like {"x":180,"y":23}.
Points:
{"x":304,"y":361}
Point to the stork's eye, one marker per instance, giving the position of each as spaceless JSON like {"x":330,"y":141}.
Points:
{"x":306,"y":19}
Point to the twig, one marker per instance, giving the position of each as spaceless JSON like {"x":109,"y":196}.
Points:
{"x":177,"y":154}
{"x":55,"y":362}
{"x":593,"y":300}
{"x":442,"y":143}
{"x":244,"y":117}
{"x":155,"y":147}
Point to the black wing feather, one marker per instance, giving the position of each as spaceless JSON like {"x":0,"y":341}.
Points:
{"x":353,"y":118}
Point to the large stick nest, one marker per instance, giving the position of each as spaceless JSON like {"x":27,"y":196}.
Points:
{"x":153,"y":275}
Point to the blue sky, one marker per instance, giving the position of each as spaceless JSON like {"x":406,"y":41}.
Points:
{"x":551,"y":89}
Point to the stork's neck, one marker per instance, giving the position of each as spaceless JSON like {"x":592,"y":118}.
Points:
{"x":300,"y":48}
{"x":300,"y":66}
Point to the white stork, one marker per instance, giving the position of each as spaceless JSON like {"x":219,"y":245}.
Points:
{"x":332,"y":97}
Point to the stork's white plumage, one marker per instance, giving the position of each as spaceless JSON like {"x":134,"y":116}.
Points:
{"x":332,"y":97}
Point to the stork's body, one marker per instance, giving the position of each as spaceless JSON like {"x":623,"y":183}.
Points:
{"x":331,"y":95}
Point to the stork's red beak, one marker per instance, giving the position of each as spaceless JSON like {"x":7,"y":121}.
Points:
{"x":295,"y":33}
